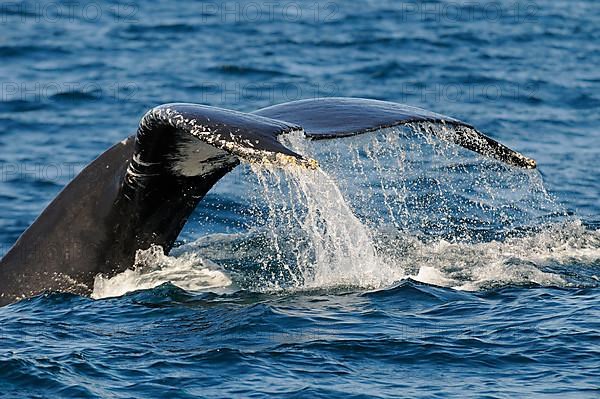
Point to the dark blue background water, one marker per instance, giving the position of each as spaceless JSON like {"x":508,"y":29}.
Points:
{"x":76,"y":77}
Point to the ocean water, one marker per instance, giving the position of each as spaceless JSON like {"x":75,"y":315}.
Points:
{"x":404,"y":267}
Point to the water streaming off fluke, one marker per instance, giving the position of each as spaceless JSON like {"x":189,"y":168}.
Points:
{"x":383,"y":207}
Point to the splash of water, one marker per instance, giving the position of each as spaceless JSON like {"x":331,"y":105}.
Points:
{"x":349,"y":253}
{"x":547,"y":257}
{"x":153,"y":268}
{"x":382,"y":209}
{"x":331,"y":245}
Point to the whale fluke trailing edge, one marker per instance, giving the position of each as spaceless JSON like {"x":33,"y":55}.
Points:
{"x":141,"y":191}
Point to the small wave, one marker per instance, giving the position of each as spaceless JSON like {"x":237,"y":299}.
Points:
{"x":240,"y":70}
{"x":165,"y":28}
{"x":19,"y":105}
{"x":17,"y":51}
{"x":76,"y":95}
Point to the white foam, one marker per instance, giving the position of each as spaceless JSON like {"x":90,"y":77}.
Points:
{"x":431,"y":275}
{"x":153,"y":268}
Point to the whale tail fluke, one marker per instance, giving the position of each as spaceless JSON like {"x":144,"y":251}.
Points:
{"x":142,"y":190}
{"x":190,"y":139}
{"x":332,"y":117}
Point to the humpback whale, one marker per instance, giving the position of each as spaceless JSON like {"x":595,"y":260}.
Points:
{"x":141,"y":191}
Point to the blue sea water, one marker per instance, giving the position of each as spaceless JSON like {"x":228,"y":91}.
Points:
{"x":487,"y":280}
